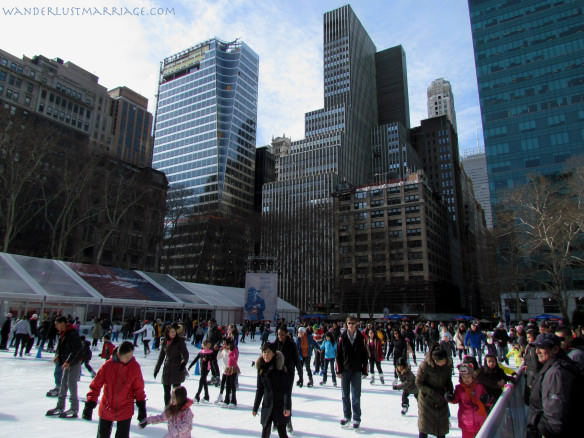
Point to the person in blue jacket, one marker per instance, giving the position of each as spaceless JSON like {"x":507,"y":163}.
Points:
{"x":475,"y":339}
{"x":330,"y":353}
{"x":305,"y":344}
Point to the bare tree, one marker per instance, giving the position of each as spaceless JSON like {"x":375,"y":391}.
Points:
{"x":24,"y":146}
{"x":551,"y":218}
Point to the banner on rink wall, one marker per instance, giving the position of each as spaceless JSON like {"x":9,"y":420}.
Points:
{"x":261,"y":296}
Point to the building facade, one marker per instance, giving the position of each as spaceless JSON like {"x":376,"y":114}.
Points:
{"x":393,"y":248}
{"x":393,"y":156}
{"x":529,"y":62}
{"x":392,"y":86}
{"x":297,"y":208}
{"x":205,"y":127}
{"x":475,"y":166}
{"x":132,"y":127}
{"x":72,"y":97}
{"x":441,"y":100}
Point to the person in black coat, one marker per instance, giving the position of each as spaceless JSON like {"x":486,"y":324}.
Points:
{"x":352,"y":361}
{"x":400,"y":349}
{"x":273,"y":390}
{"x":5,"y":332}
{"x":287,"y":347}
{"x":174,"y":355}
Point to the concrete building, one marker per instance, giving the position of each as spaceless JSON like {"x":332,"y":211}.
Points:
{"x":441,"y":100}
{"x":393,"y":156}
{"x":392,"y":243}
{"x":280,"y":148}
{"x":132,"y":127}
{"x":72,"y":97}
{"x":475,"y":166}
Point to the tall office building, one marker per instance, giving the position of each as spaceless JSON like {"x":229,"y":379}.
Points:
{"x":392,"y":86}
{"x":441,"y":100}
{"x":393,"y":155}
{"x":529,"y":59}
{"x":336,"y":149}
{"x":475,"y":167}
{"x":205,"y":125}
{"x":132,"y":127}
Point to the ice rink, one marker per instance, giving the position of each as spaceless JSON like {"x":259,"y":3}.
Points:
{"x":315,"y":411}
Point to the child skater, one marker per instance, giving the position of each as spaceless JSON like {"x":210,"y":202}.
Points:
{"x":232,"y":370}
{"x":178,"y":414}
{"x":122,"y":383}
{"x":330,"y":353}
{"x":407,"y":385}
{"x":222,"y":359}
{"x":205,"y":356}
{"x":86,"y":355}
{"x":108,"y":347}
{"x":470,"y":396}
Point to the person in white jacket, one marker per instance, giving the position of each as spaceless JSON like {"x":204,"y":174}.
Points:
{"x":22,"y":333}
{"x":147,"y":331}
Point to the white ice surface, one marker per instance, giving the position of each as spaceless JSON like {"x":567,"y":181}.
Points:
{"x":316,"y":411}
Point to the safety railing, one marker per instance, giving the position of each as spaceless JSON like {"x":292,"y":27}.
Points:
{"x":508,"y":418}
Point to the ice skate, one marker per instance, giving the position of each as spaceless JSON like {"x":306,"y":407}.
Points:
{"x":54,"y":412}
{"x":404,"y":410}
{"x":381,"y":379}
{"x":372,"y":380}
{"x":53,"y":392}
{"x":68,"y":414}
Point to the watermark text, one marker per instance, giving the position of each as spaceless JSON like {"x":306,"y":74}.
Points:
{"x":61,"y":11}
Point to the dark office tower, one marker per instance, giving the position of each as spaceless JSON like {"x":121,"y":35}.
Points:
{"x":530,"y":60}
{"x":336,"y":149}
{"x":265,"y":171}
{"x":437,"y":144}
{"x":392,"y":86}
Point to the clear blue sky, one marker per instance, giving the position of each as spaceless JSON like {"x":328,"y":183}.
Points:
{"x":286,"y":34}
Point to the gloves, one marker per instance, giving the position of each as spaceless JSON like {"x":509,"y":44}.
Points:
{"x":299,"y":383}
{"x":141,"y":411}
{"x":394,"y":387}
{"x":88,"y":410}
{"x":155,"y":373}
{"x":449,"y":396}
{"x":484,"y":398}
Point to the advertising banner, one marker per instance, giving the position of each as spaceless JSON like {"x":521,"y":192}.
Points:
{"x":261,"y":296}
{"x":119,"y":283}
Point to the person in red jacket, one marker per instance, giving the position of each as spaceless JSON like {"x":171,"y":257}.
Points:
{"x":470,"y":396}
{"x":122,"y":382}
{"x":108,"y":348}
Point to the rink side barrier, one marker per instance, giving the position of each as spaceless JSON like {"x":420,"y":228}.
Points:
{"x":508,"y":418}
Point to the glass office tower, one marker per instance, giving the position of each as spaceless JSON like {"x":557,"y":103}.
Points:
{"x":529,"y":58}
{"x":205,"y":127}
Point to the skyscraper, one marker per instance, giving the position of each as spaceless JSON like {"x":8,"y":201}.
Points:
{"x":205,"y":126}
{"x":298,"y":208}
{"x":476,"y":168}
{"x":392,"y":86}
{"x":529,"y":59}
{"x":441,"y":100}
{"x":205,"y":138}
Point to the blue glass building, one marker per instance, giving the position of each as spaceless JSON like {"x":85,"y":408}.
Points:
{"x":205,"y":127}
{"x":529,"y":58}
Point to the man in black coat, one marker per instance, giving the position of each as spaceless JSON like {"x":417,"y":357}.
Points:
{"x":555,"y":401}
{"x":68,"y":356}
{"x":352,"y":359}
{"x":287,"y":347}
{"x":214,"y":336}
{"x":5,"y":333}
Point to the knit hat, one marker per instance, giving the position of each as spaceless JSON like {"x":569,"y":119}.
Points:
{"x":34,"y":316}
{"x":301,"y":329}
{"x":547,"y":340}
{"x":465,"y":368}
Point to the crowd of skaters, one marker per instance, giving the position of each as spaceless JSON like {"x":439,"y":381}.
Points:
{"x":351,"y":350}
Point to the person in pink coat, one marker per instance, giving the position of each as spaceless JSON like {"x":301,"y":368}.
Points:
{"x":470,"y":396}
{"x":231,"y":371}
{"x":178,"y":414}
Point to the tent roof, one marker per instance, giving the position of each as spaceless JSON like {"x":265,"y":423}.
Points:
{"x":31,"y":278}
